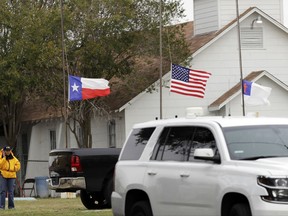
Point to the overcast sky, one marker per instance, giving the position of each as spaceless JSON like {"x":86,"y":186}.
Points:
{"x":188,"y":6}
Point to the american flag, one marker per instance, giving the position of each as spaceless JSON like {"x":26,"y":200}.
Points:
{"x":187,"y":81}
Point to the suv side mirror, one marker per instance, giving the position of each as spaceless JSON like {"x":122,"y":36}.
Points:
{"x":206,"y":154}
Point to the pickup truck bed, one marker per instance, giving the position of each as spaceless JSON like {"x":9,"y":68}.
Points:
{"x":89,"y":170}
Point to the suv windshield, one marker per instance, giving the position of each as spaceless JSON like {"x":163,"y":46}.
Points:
{"x":254,"y":142}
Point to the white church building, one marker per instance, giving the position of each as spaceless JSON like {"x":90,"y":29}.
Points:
{"x":214,"y":43}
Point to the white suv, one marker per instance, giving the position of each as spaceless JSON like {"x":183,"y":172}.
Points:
{"x":220,"y":166}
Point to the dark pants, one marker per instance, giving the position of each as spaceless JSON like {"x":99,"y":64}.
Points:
{"x":7,"y":185}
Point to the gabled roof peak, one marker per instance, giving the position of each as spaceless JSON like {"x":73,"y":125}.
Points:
{"x":236,"y":90}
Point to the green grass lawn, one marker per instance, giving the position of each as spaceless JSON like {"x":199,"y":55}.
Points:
{"x":53,"y":206}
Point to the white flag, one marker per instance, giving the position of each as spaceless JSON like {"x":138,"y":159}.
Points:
{"x":256,"y":95}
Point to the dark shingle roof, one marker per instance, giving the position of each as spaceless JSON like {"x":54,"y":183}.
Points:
{"x":39,"y":110}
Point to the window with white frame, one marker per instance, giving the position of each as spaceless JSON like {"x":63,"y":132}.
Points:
{"x":52,"y":139}
{"x":112,"y":133}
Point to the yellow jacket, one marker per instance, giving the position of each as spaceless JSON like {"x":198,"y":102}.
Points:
{"x":8,"y":168}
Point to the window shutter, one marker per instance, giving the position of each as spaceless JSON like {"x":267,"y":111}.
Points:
{"x":252,"y":38}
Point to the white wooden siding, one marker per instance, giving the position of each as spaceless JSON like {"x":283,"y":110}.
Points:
{"x":205,"y":16}
{"x":40,"y":147}
{"x":120,"y":129}
{"x":100,"y":134}
{"x":227,"y":9}
{"x":224,"y":11}
{"x":224,"y":62}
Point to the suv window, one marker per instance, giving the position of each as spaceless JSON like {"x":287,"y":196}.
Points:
{"x":173,"y":143}
{"x":203,"y":138}
{"x":257,"y":141}
{"x":136,"y":143}
{"x":179,"y":143}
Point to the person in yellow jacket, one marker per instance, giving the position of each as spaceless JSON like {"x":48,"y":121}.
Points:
{"x":9,"y":165}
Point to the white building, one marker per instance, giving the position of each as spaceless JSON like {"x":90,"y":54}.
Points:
{"x":214,"y":48}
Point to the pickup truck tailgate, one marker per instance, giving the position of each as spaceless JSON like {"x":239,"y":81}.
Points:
{"x":61,"y":175}
{"x":59,"y":164}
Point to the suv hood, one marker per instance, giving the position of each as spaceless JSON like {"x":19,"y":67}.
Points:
{"x":274,"y":166}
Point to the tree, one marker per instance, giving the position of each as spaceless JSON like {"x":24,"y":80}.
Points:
{"x":103,"y":38}
{"x":30,"y":57}
{"x":106,"y":38}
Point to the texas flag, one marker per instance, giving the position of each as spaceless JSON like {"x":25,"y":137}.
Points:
{"x":85,"y":88}
{"x":255,"y":95}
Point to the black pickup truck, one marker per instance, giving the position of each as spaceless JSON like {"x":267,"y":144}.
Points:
{"x":89,"y":170}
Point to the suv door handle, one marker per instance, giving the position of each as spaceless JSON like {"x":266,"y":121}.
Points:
{"x":184,"y":175}
{"x":151,"y":173}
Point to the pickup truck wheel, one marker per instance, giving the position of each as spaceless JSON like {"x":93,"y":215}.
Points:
{"x":92,"y":201}
{"x":141,"y":208}
{"x":240,"y":209}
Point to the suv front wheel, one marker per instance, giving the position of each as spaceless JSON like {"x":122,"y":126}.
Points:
{"x":240,"y":209}
{"x":141,"y":208}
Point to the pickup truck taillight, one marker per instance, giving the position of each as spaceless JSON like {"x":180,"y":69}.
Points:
{"x":75,"y":164}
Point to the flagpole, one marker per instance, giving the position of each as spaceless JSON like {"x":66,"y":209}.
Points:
{"x":240,"y":59}
{"x":160,"y":44}
{"x":64,"y":77}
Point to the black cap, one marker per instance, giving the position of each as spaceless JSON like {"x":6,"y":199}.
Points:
{"x":7,"y":148}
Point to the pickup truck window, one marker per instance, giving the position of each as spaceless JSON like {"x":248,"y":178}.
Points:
{"x":257,"y":141}
{"x":136,"y":143}
{"x":179,"y":143}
